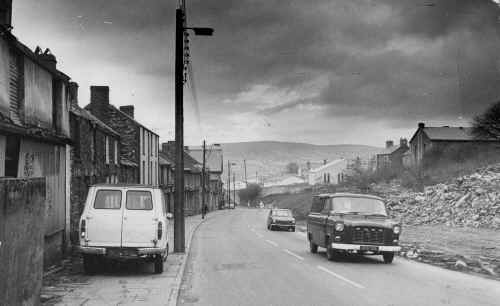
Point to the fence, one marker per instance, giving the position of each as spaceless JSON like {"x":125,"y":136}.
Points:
{"x":22,"y":219}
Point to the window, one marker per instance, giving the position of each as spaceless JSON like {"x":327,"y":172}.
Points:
{"x":106,"y":140}
{"x":317,"y":204}
{"x":92,"y":146}
{"x":108,"y":199}
{"x":139,"y":200}
{"x":143,"y":178}
{"x":12,"y":147}
{"x":116,"y":152}
{"x":143,"y":140}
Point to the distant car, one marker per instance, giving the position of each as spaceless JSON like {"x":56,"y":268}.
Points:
{"x":346,"y":223}
{"x":281,"y":218}
{"x":231,"y":206}
{"x":124,"y":222}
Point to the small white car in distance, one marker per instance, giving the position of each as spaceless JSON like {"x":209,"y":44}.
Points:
{"x":124,"y":222}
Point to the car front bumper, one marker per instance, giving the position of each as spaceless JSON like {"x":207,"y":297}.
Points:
{"x":367,"y":248}
{"x":117,"y":252}
{"x":283,"y":225}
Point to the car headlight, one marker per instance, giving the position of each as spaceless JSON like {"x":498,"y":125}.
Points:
{"x":339,"y":227}
{"x":293,"y":221}
{"x":396,"y":229}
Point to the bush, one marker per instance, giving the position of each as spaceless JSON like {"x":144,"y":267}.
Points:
{"x":250,"y":194}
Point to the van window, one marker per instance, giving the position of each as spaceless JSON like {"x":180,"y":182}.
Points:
{"x":108,"y":199}
{"x":317,"y":204}
{"x":139,"y":200}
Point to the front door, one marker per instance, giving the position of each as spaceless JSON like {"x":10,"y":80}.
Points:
{"x":140,"y":223}
{"x":104,"y":220}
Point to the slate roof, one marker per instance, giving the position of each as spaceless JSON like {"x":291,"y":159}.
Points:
{"x":446,"y":133}
{"x":168,"y":158}
{"x":390,"y":150}
{"x":80,"y":112}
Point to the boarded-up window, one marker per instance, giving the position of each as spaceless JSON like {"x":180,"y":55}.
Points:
{"x":15,"y":87}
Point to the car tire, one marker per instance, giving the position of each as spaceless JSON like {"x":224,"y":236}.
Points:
{"x":331,"y":254}
{"x":313,"y":247}
{"x":388,"y":257}
{"x":158,"y":263}
{"x":89,"y":264}
{"x":269,"y":227}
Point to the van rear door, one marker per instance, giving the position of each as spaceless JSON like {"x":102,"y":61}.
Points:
{"x":104,"y":220}
{"x":140,"y":221}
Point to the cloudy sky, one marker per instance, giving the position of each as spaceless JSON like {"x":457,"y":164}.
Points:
{"x":318,"y":71}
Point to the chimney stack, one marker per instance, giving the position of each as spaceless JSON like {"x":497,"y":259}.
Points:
{"x":389,"y":144}
{"x":73,"y":93}
{"x":168,"y":146}
{"x":403,"y":142}
{"x":6,"y":13}
{"x":99,"y":94}
{"x":46,"y":57}
{"x":421,"y":125}
{"x":325,"y":161}
{"x":128,"y":109}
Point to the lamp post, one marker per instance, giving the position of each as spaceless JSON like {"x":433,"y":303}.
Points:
{"x":180,"y":31}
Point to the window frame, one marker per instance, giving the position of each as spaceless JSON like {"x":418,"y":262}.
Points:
{"x":97,"y":193}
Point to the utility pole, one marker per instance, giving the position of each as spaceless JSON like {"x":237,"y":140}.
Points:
{"x":180,"y":57}
{"x":179,"y":241}
{"x":203,"y":180}
{"x":246,"y":181}
{"x":228,"y":183}
{"x":234,"y":189}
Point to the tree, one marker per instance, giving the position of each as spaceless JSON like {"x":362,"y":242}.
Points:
{"x":251,"y":193}
{"x":292,"y":168}
{"x":488,"y":123}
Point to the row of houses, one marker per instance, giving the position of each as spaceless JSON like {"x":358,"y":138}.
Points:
{"x":431,"y":138}
{"x":45,"y":133}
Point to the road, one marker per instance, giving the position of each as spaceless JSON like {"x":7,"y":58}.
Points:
{"x":235,"y":260}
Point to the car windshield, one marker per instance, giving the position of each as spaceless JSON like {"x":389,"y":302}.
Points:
{"x":354,"y":205}
{"x":282,"y":213}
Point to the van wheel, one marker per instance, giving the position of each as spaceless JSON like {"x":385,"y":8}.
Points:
{"x":313,"y":247}
{"x":89,"y":264}
{"x":158,"y":264}
{"x":388,"y":257}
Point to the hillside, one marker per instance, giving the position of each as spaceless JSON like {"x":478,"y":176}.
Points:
{"x":269,"y":158}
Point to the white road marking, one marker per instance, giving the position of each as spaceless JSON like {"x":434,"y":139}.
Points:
{"x":272,"y":242}
{"x":293,"y":254}
{"x":341,"y":277}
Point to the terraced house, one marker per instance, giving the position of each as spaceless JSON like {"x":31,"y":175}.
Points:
{"x":138,"y":144}
{"x":34,"y":131}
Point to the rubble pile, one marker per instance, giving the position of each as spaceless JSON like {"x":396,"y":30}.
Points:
{"x":468,"y":201}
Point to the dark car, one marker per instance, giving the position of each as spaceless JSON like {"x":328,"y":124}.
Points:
{"x":281,"y":218}
{"x":345,"y":223}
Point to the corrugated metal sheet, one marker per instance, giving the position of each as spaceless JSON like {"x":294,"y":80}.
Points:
{"x":14,"y":88}
{"x":4,"y":78}
{"x":43,"y":160}
{"x":2,"y":155}
{"x":38,"y":95}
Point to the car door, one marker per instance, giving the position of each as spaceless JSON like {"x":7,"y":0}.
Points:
{"x":322,"y":220}
{"x":104,"y":218}
{"x":140,"y":221}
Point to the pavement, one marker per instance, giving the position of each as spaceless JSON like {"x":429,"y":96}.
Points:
{"x":126,"y":284}
{"x":235,"y":260}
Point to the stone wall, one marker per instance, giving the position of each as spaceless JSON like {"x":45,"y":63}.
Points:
{"x":22,"y":207}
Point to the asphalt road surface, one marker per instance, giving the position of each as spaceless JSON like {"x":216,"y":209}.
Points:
{"x":235,"y":260}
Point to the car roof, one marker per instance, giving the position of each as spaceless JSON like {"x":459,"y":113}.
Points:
{"x":348,"y":195}
{"x":124,"y":185}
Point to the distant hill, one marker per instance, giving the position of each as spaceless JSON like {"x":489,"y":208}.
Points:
{"x":269,"y":158}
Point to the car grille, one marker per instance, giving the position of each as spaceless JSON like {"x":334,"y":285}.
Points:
{"x":365,"y":234}
{"x":285,"y":222}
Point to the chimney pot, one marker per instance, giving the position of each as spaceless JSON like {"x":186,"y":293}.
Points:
{"x":99,"y":94}
{"x":325,"y":161}
{"x":403,"y":142}
{"x":6,"y":13}
{"x":421,"y":125}
{"x":128,"y":109}
{"x":389,"y":144}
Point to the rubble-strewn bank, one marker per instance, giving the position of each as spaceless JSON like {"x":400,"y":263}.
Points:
{"x":468,"y":201}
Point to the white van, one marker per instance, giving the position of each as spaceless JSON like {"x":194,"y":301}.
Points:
{"x":124,"y":222}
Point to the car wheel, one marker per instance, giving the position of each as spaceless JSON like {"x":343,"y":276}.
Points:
{"x":313,"y":247}
{"x":331,"y":254}
{"x":158,"y":264}
{"x":269,"y":227}
{"x":89,"y":264}
{"x":388,"y":257}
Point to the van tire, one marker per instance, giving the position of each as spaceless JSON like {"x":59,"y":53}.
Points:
{"x":158,"y":263}
{"x":89,"y":264}
{"x":388,"y":257}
